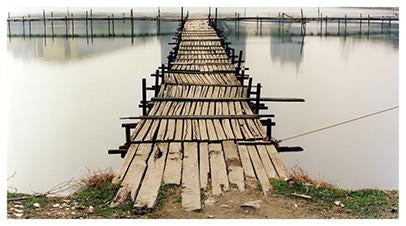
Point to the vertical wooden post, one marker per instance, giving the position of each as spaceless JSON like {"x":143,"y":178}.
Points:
{"x":91,"y":23}
{"x":181,"y":13}
{"x":45,"y":27}
{"x":369,"y":25}
{"x":249,"y":87}
{"x":239,"y":62}
{"x":360,"y":23}
{"x":279,"y":22}
{"x":238,"y":22}
{"x":326,"y":25}
{"x":73,"y":26}
{"x":235,"y":22}
{"x":302,"y":23}
{"x":87,"y":25}
{"x":258,"y":97}
{"x":257,"y":24}
{"x":233,"y":56}
{"x":144,"y":97}
{"x":112,"y":23}
{"x":8,"y":25}
{"x":66,"y":27}
{"x":209,"y":12}
{"x":260,"y":27}
{"x":163,"y":73}
{"x":242,"y":78}
{"x":269,"y":125}
{"x":108,"y":25}
{"x":215,"y":17}
{"x":321,"y":24}
{"x":345,"y":25}
{"x":132,"y":23}
{"x":127,"y":135}
{"x":156,"y":82}
{"x":390,"y":20}
{"x":29,"y":25}
{"x":23,"y":28}
{"x":52,"y":24}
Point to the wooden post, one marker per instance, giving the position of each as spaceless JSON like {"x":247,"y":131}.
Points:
{"x":369,"y":25}
{"x":8,"y":25}
{"x":157,"y":82}
{"x":326,"y":25}
{"x":360,"y":22}
{"x":209,"y":12}
{"x":52,"y":24}
{"x":215,"y":17}
{"x":29,"y":25}
{"x":269,"y":125}
{"x":91,"y":23}
{"x":233,"y":56}
{"x":345,"y":25}
{"x":108,"y":25}
{"x":132,"y":24}
{"x":127,"y":135}
{"x":23,"y":28}
{"x":249,"y":87}
{"x":235,"y":22}
{"x":239,"y":61}
{"x":45,"y":27}
{"x":181,"y":13}
{"x":321,"y":24}
{"x":238,"y":22}
{"x":73,"y":26}
{"x":242,"y":78}
{"x":112,"y":23}
{"x":87,"y":25}
{"x":257,"y":24}
{"x":258,"y":97}
{"x":66,"y":26}
{"x":390,"y":20}
{"x":144,"y":97}
{"x":302,"y":23}
{"x":163,"y":73}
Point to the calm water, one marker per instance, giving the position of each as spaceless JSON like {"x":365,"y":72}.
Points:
{"x":67,"y":96}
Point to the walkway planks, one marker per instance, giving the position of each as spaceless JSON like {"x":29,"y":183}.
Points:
{"x":192,"y":141}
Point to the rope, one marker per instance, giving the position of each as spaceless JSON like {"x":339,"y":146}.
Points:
{"x":338,"y":124}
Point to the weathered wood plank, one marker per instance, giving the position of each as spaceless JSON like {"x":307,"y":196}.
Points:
{"x":233,"y":163}
{"x":125,"y":164}
{"x":190,"y":176}
{"x":266,"y":161}
{"x":277,"y":161}
{"x":132,"y":180}
{"x":259,"y":169}
{"x":218,"y":171}
{"x":204,"y":164}
{"x":173,"y":168}
{"x":148,"y":193}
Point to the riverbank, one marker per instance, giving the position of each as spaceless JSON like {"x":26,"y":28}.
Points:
{"x":299,"y":197}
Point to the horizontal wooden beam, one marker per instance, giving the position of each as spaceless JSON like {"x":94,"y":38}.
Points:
{"x":267,"y":99}
{"x":253,"y":116}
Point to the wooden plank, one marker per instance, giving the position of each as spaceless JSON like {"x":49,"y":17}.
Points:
{"x":219,"y":180}
{"x":233,"y":163}
{"x":190,"y":178}
{"x":132,"y":180}
{"x":277,"y":161}
{"x":128,"y":158}
{"x":246,"y":161}
{"x":259,"y":169}
{"x":148,"y":193}
{"x":204,"y":164}
{"x":266,"y":161}
{"x":173,"y":168}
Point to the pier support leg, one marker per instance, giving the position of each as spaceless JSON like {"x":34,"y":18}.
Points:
{"x":144,"y":97}
{"x":258,"y":97}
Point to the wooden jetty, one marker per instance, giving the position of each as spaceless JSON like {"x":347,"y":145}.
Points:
{"x":202,"y":130}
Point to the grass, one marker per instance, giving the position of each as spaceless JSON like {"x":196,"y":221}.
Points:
{"x":365,"y":203}
{"x":96,"y":189}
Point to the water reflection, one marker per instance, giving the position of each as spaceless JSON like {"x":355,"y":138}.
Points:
{"x":287,"y":49}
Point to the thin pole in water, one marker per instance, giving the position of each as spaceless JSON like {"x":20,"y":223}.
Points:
{"x":345,"y":25}
{"x":23,"y":28}
{"x":29,"y":25}
{"x":45,"y":27}
{"x":73,"y":27}
{"x":360,"y":23}
{"x":108,"y":25}
{"x":87,"y":25}
{"x":91,"y":24}
{"x":52,"y":23}
{"x":112,"y":23}
{"x":338,"y":28}
{"x":8,"y":25}
{"x":326,"y":25}
{"x":66,"y":27}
